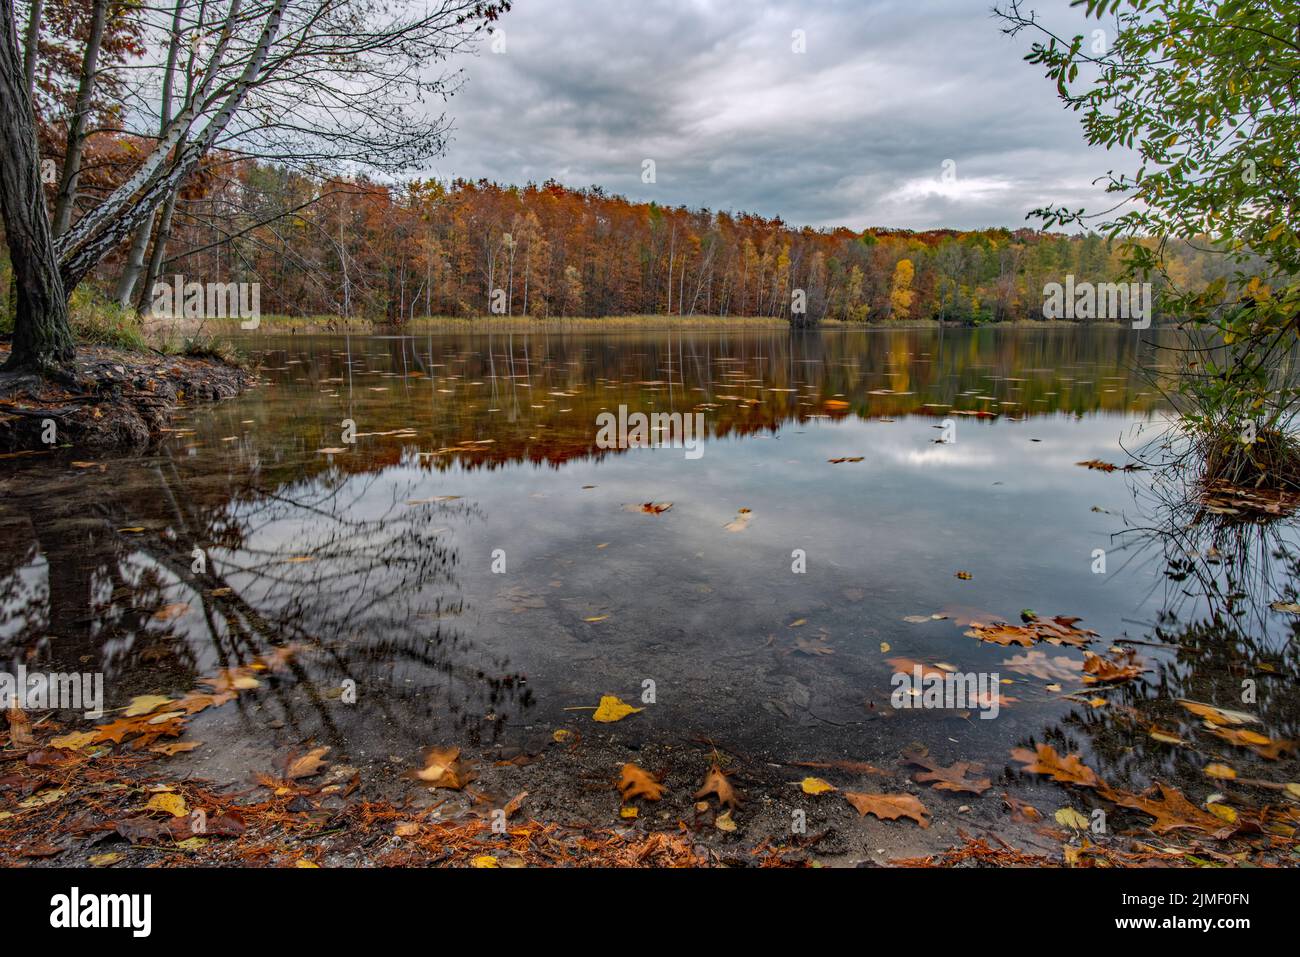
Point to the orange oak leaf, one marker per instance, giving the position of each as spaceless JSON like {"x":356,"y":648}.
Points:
{"x":1044,"y":760}
{"x":889,"y":807}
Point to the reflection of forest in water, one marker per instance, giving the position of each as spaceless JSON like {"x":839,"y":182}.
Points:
{"x":325,"y":551}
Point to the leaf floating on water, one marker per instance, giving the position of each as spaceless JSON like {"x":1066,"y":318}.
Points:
{"x":964,"y":576}
{"x":1216,"y":715}
{"x":1171,"y":810}
{"x":741,"y":521}
{"x":636,"y":782}
{"x":812,"y":647}
{"x":1290,"y":607}
{"x":1268,"y":748}
{"x":612,"y":708}
{"x":847,"y":458}
{"x":331,"y":451}
{"x":957,"y":777}
{"x":1099,"y":670}
{"x":1219,"y":772}
{"x":595,"y":618}
{"x":889,"y":807}
{"x":1098,"y":465}
{"x":649,"y":508}
{"x":1060,"y":630}
{"x":1044,"y":760}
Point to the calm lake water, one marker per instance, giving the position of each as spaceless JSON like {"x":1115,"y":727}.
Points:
{"x":479,"y":451}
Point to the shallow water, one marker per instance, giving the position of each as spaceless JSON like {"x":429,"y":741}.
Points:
{"x":475,"y":452}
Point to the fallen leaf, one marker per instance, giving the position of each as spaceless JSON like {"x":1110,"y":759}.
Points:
{"x":612,"y":708}
{"x":146,"y":703}
{"x":636,"y":782}
{"x":741,"y":521}
{"x":716,"y":783}
{"x":1069,"y":817}
{"x":309,"y":764}
{"x":1044,"y":760}
{"x":1122,"y":667}
{"x":1261,"y":744}
{"x":444,"y":768}
{"x":957,"y":777}
{"x":20,"y":729}
{"x":172,"y":804}
{"x":815,"y":786}
{"x":889,"y":807}
{"x":1218,"y":716}
{"x":1171,"y":810}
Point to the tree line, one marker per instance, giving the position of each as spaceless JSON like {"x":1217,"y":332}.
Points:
{"x":395,"y":252}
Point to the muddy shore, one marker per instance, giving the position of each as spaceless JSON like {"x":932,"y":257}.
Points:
{"x":112,"y":399}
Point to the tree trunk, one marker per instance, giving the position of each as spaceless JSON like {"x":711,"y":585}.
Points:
{"x":80,"y":118}
{"x":33,"y":46}
{"x":42,"y":335}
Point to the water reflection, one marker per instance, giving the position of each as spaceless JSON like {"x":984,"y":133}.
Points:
{"x":377,"y":558}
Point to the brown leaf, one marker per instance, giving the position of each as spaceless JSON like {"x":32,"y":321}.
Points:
{"x":1069,"y":769}
{"x":443,"y":768}
{"x":1264,"y":746}
{"x":1172,"y":811}
{"x":309,"y":764}
{"x":1123,"y":667}
{"x":889,"y":807}
{"x":636,"y":782}
{"x":715,"y":782}
{"x":20,"y":729}
{"x":952,"y":778}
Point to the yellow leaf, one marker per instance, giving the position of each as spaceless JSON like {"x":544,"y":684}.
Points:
{"x":815,"y":786}
{"x":486,"y":860}
{"x":106,"y":860}
{"x":724,"y":822}
{"x":561,"y":735}
{"x":629,"y":811}
{"x":1220,"y":772}
{"x":303,"y":862}
{"x":74,"y":741}
{"x":613,"y":709}
{"x":596,"y":618}
{"x":1222,"y":810}
{"x":146,"y":703}
{"x":173,"y":804}
{"x":1069,"y":817}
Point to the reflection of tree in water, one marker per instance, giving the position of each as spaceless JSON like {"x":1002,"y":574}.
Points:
{"x":1216,"y":631}
{"x":368,"y":591}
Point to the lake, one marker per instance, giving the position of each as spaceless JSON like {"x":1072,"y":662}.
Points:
{"x":430,"y":523}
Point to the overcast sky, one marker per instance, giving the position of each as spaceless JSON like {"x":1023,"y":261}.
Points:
{"x":853,"y":132}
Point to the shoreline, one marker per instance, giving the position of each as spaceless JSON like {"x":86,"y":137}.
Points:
{"x":122,"y":399}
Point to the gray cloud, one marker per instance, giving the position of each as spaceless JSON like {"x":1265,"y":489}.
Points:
{"x":853,"y":132}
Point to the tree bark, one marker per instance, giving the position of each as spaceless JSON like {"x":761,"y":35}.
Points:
{"x":80,"y":119}
{"x":33,"y":47}
{"x":42,"y":335}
